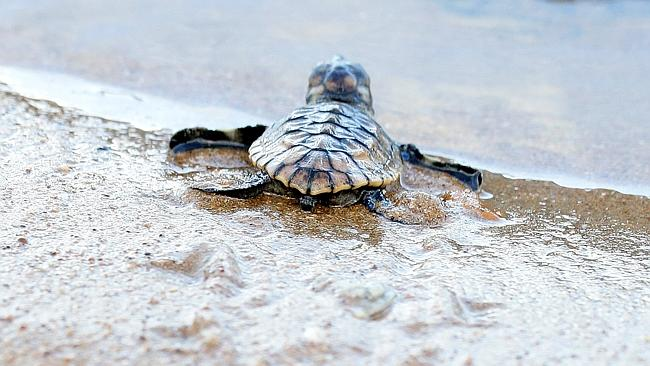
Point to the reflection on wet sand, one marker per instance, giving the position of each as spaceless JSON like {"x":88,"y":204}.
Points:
{"x":599,"y":218}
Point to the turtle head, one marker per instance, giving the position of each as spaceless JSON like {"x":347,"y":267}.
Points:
{"x":340,"y":81}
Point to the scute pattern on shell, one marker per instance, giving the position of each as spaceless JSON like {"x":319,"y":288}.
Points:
{"x":327,"y":148}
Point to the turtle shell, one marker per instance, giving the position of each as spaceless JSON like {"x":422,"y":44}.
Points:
{"x":327,"y":148}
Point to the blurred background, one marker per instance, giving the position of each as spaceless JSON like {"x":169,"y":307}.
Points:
{"x":553,"y":90}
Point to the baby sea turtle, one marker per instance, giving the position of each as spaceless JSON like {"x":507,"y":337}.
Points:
{"x":330,"y":152}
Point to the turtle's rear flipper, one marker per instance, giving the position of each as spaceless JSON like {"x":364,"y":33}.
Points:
{"x":406,"y":207}
{"x":233,"y":182}
{"x":468,"y":175}
{"x":199,"y":137}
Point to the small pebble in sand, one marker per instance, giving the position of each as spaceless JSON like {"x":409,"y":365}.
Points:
{"x":64,"y":169}
{"x":368,"y":300}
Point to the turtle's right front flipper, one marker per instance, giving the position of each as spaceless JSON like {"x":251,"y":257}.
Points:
{"x":469,"y":176}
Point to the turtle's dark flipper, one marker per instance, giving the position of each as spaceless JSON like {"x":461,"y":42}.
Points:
{"x":307,"y":203}
{"x":238,"y":137}
{"x":213,"y":148}
{"x":238,"y":192}
{"x":468,"y":175}
{"x":234,"y":182}
{"x":201,"y":143}
{"x":373,"y":200}
{"x":186,"y":135}
{"x":223,"y":159}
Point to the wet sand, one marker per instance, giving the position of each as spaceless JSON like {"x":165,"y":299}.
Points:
{"x":107,"y":257}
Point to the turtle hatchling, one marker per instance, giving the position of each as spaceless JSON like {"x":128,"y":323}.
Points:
{"x":329,"y":152}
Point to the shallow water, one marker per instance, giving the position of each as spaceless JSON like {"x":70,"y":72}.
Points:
{"x":107,"y":257}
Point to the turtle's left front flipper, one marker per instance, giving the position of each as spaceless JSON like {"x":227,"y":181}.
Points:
{"x":406,"y":207}
{"x":469,"y":176}
{"x":217,"y":161}
{"x":213,"y":148}
{"x":200,"y":138}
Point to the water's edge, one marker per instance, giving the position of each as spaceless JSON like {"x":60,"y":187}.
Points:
{"x":149,"y":112}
